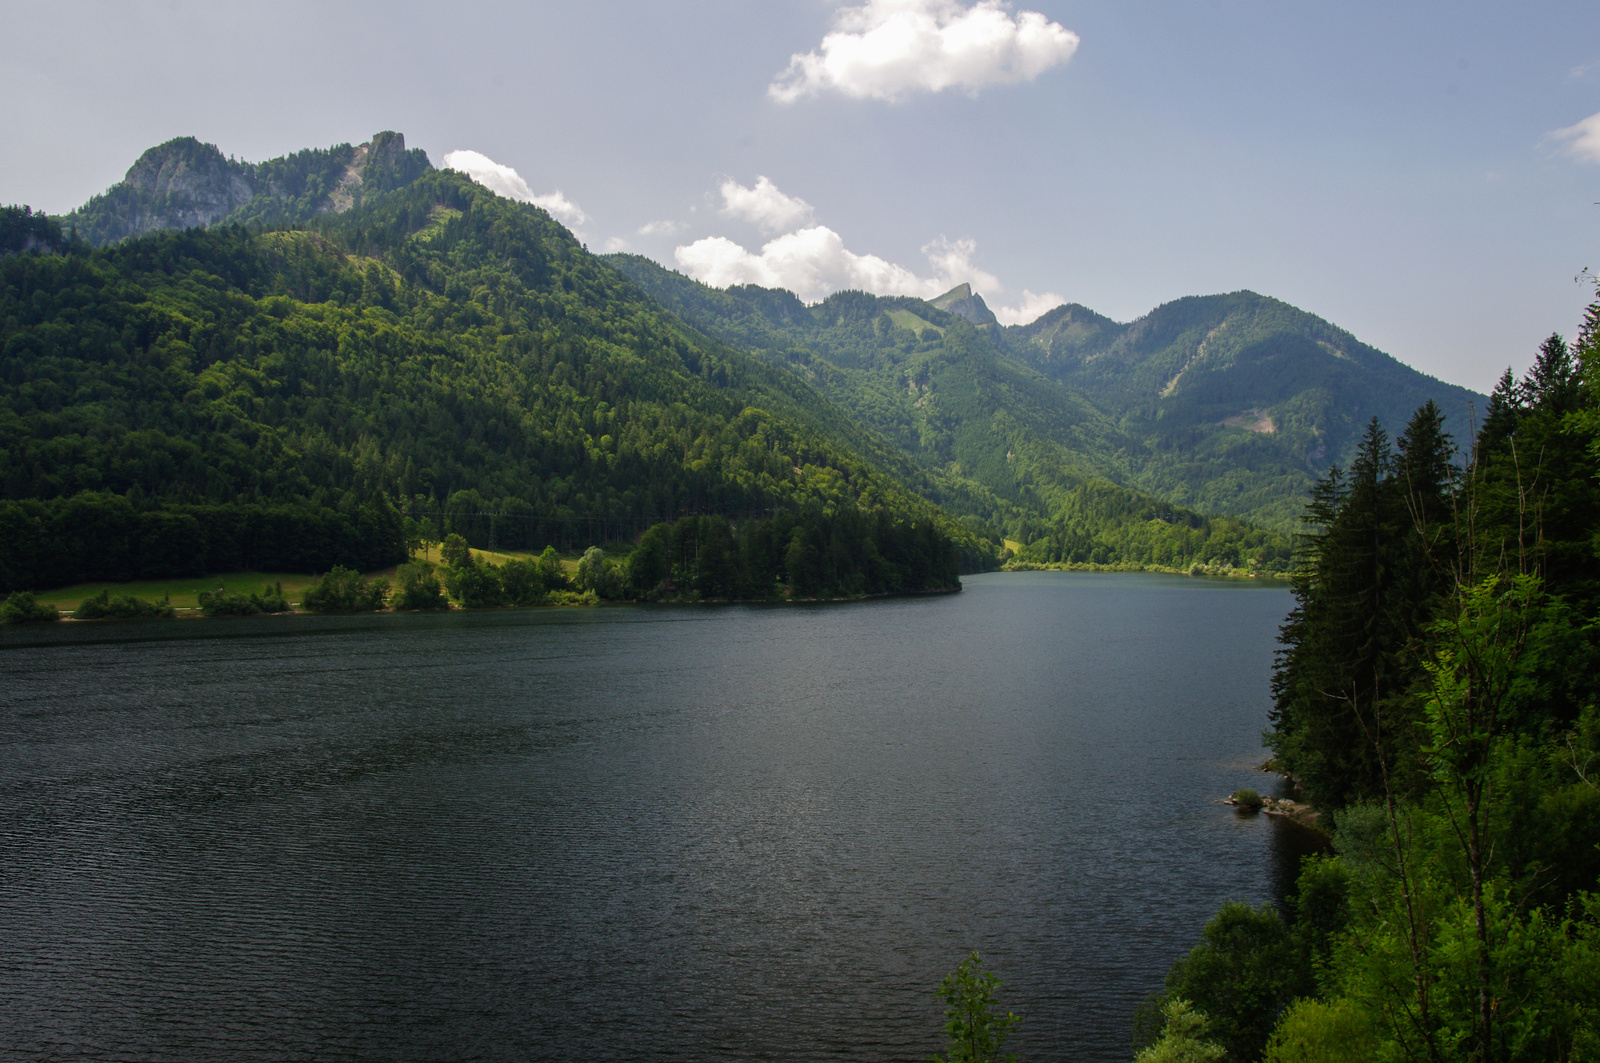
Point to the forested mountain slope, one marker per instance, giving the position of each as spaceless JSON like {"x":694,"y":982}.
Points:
{"x":1234,"y":403}
{"x":1003,"y":443}
{"x":438,"y":348}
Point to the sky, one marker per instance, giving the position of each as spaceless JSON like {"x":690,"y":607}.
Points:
{"x":1423,"y":175}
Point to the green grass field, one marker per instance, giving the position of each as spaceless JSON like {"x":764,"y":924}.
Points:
{"x":184,"y":591}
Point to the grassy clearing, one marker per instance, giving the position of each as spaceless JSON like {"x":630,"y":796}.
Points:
{"x":184,"y":590}
{"x":907,"y":320}
{"x":1012,"y":545}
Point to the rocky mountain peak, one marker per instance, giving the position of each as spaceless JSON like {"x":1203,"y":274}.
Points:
{"x":963,"y":302}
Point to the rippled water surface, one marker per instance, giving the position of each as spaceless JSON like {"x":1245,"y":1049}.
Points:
{"x":625,"y":833}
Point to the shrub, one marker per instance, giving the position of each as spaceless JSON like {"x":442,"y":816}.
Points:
{"x":598,"y":574}
{"x":121,"y":607}
{"x":476,"y":585}
{"x":1247,"y":799}
{"x":224,"y":603}
{"x":227,"y":603}
{"x":419,"y":588}
{"x":555,"y":577}
{"x":522,"y":582}
{"x":23,"y":608}
{"x":455,"y":552}
{"x":345,"y":591}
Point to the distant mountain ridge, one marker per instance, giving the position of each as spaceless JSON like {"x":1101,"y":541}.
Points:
{"x":185,"y":183}
{"x":1229,"y":404}
{"x":1242,"y":382}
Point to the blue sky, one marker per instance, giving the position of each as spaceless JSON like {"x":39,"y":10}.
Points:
{"x":1393,"y":168}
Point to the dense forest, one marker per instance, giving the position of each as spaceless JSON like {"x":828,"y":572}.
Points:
{"x":439,"y":351}
{"x":1436,"y":698}
{"x":991,"y":439}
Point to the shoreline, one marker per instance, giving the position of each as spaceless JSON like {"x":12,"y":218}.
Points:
{"x":1197,"y":571}
{"x":191,"y":612}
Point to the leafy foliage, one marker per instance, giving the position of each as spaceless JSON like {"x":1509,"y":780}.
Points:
{"x":976,"y":1030}
{"x":1437,"y":696}
{"x":107,"y":606}
{"x":344,"y":590}
{"x":21,"y":607}
{"x":225,"y":603}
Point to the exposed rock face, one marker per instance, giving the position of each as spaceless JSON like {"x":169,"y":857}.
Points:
{"x":961,"y":301}
{"x":185,"y":183}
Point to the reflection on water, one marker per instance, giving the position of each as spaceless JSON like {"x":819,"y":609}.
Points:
{"x":630,"y":833}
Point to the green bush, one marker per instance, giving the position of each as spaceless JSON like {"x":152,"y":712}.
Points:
{"x":23,"y":608}
{"x":345,"y":591}
{"x":523,"y":582}
{"x":604,"y":577}
{"x":476,"y":585}
{"x":227,"y":603}
{"x":104,"y":606}
{"x":1247,"y":799}
{"x":419,"y":588}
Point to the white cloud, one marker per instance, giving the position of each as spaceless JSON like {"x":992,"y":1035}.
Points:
{"x":887,"y":49}
{"x":503,"y":180}
{"x":764,"y":205}
{"x":952,"y":264}
{"x":813,"y":263}
{"x":661,"y":228}
{"x":809,"y":262}
{"x":1584,"y":138}
{"x":615,"y":243}
{"x":1033,"y":306}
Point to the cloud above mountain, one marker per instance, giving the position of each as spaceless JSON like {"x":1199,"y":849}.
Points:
{"x":890,"y":49}
{"x":1583,"y":139}
{"x":813,"y":262}
{"x":764,"y":206}
{"x":505,"y":181}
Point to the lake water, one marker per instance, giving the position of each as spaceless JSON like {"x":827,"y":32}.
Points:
{"x":632,"y":833}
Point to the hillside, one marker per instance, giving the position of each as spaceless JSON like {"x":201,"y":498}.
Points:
{"x":278,"y":362}
{"x":436,"y":349}
{"x":1220,"y":404}
{"x":1003,"y":444}
{"x":1234,"y":403}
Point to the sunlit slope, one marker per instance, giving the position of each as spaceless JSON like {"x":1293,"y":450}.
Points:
{"x":1006,"y":444}
{"x":438,"y":346}
{"x":1235,"y":403}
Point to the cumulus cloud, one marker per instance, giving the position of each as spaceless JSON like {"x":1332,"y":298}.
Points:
{"x":505,"y":181}
{"x":888,"y":49}
{"x":813,"y":262}
{"x":1031,"y":307}
{"x":764,"y":205}
{"x":1583,"y":139}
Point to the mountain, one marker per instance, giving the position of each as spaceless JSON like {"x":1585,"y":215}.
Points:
{"x":1228,"y":404}
{"x":357,"y":337}
{"x":961,"y":302}
{"x":1234,"y":403}
{"x":185,"y":184}
{"x":1001,"y":443}
{"x":436,"y":349}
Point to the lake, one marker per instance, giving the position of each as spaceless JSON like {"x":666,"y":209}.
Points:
{"x":627,"y":833}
